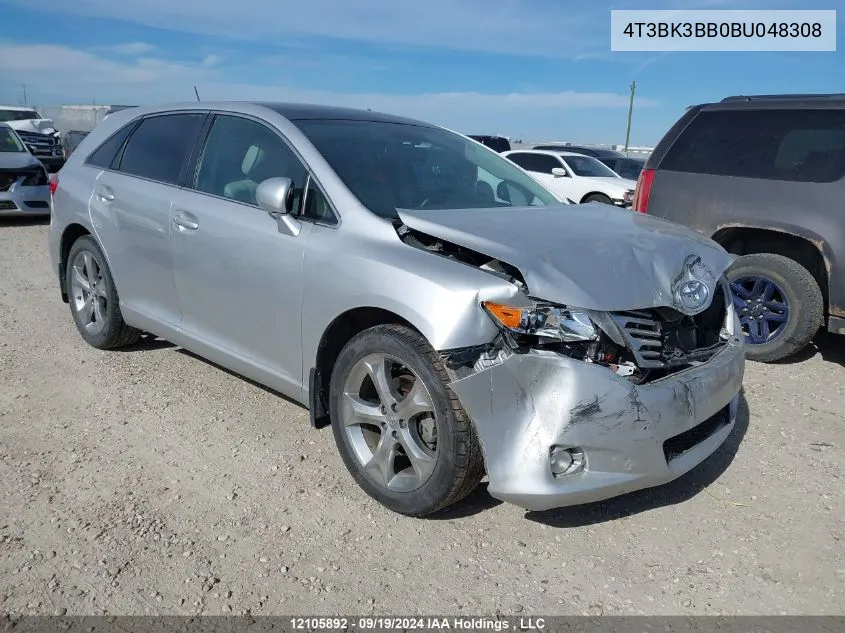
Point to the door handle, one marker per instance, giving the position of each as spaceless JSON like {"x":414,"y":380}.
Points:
{"x":105,"y":193}
{"x":185,"y":221}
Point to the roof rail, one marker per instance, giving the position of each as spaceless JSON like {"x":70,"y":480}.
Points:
{"x":790,"y":97}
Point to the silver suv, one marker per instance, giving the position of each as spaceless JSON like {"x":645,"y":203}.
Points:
{"x":420,"y":293}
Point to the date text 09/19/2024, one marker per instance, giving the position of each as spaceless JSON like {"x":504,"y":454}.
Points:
{"x":417,"y":623}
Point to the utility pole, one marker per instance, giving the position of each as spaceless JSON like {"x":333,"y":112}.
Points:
{"x":24,"y":95}
{"x":630,"y":112}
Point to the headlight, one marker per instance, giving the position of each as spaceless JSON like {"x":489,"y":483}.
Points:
{"x":544,"y":320}
{"x":628,"y":196}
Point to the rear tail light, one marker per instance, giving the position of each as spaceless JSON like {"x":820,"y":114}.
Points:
{"x":643,"y":190}
{"x":54,"y":182}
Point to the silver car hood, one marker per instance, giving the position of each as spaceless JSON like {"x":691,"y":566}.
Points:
{"x":17,"y":160}
{"x":591,"y":256}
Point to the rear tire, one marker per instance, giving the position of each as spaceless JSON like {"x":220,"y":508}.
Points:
{"x":410,"y":445}
{"x":598,"y":197}
{"x":779,"y":303}
{"x":93,"y":299}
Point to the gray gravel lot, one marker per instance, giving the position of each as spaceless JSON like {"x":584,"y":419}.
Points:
{"x":150,"y":481}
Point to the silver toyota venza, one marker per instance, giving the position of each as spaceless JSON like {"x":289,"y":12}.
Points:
{"x":434,"y":304}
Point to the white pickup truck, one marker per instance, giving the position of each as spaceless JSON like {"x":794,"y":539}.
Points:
{"x":39,"y":134}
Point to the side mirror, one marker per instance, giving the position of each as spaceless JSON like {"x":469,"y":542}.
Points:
{"x":502,"y":192}
{"x":559,"y":172}
{"x":275,"y":196}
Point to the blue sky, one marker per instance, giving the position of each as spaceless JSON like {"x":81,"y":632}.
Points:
{"x":532,"y":69}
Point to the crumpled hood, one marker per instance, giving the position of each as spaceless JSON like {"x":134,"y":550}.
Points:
{"x":17,"y":160}
{"x":591,"y":256}
{"x":39,"y":126}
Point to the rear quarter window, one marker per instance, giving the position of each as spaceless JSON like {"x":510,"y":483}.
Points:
{"x":797,"y":145}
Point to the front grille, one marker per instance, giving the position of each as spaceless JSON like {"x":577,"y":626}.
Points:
{"x":662,"y":338}
{"x":676,"y":446}
{"x":37,"y":204}
{"x":41,"y":144}
{"x":30,"y":177}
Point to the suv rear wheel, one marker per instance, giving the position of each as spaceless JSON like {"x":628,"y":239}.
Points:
{"x":93,"y":298}
{"x":779,"y":304}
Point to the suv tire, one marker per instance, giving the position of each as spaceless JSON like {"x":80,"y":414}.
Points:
{"x":93,"y":299}
{"x":779,"y":291}
{"x":389,"y":456}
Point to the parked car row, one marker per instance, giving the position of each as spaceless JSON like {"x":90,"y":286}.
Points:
{"x":440,"y":305}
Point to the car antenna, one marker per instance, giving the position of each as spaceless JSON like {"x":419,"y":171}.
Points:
{"x":196,"y":93}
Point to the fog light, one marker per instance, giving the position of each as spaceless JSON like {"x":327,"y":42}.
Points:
{"x":566,"y":461}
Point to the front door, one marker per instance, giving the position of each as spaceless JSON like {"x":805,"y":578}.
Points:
{"x":238,"y":279}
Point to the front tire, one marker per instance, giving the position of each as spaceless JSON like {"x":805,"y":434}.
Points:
{"x":779,"y":303}
{"x":400,"y":430}
{"x":598,"y":197}
{"x":93,"y":299}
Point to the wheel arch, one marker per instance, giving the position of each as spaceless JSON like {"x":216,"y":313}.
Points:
{"x":809,"y":253}
{"x":336,"y":335}
{"x":71,"y":233}
{"x":595,"y":193}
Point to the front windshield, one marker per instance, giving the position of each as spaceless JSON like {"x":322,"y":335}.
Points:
{"x":588,"y":167}
{"x":390,"y":166}
{"x":9,"y":141}
{"x":18,"y":115}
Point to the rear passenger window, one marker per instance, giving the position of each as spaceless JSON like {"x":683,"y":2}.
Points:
{"x":161,"y":145}
{"x":793,"y":145}
{"x":104,"y":155}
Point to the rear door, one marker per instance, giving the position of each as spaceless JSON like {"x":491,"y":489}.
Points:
{"x":239,"y":280}
{"x":130,"y":210}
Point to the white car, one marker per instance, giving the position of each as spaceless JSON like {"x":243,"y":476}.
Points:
{"x":575,"y":176}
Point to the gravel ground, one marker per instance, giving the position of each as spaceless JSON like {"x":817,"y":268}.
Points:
{"x":151,"y":482}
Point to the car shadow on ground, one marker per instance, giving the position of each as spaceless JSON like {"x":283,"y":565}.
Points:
{"x":831,"y":348}
{"x":682,"y":489}
{"x":273,"y":392}
{"x":147,"y":343}
{"x":25,"y":221}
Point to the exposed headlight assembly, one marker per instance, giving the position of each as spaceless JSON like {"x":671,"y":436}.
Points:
{"x":544,"y":320}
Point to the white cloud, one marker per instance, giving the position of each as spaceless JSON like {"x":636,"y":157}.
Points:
{"x":57,"y":74}
{"x":131,"y":49}
{"x":549,"y":28}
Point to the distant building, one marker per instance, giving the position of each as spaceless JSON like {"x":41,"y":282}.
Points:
{"x":79,"y":117}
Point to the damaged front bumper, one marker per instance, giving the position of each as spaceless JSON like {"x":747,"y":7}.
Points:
{"x":631,"y":436}
{"x":20,"y":200}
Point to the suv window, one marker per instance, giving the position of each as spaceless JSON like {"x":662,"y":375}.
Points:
{"x":793,"y":145}
{"x":316,"y":206}
{"x":541,"y":163}
{"x":160,"y":146}
{"x":105,"y":154}
{"x":239,"y":154}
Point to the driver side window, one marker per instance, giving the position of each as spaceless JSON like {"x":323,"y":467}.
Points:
{"x":240,"y":154}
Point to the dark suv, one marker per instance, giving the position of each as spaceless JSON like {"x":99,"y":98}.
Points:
{"x":496,"y":143}
{"x":764,"y":176}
